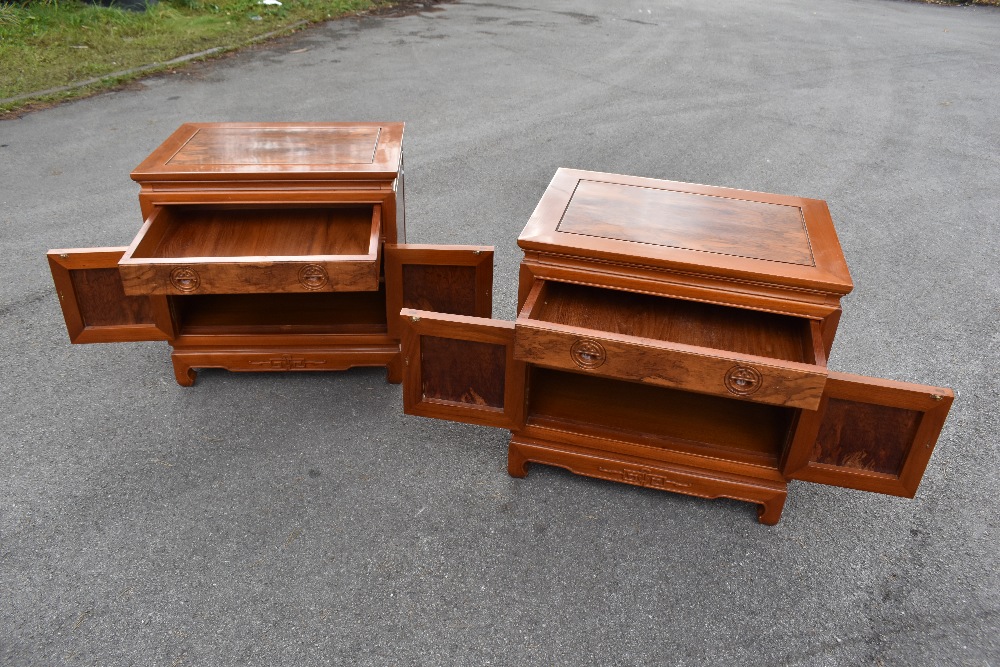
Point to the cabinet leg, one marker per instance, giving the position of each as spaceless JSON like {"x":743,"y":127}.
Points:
{"x":769,"y":511}
{"x":185,"y":374}
{"x":517,"y":463}
{"x":394,"y":370}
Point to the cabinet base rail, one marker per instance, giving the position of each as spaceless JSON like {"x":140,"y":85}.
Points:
{"x":187,"y":361}
{"x":769,"y":496}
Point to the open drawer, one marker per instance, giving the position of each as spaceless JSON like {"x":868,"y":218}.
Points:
{"x":724,"y":351}
{"x":208,"y":249}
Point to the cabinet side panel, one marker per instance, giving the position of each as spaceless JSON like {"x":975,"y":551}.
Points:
{"x":865,"y":436}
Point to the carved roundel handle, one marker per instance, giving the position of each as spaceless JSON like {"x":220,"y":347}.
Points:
{"x":587,"y":353}
{"x":185,"y":279}
{"x":743,"y":380}
{"x":313,"y":277}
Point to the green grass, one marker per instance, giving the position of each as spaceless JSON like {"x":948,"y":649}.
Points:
{"x":52,"y":43}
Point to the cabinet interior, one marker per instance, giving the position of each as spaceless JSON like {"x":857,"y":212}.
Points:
{"x":659,"y":417}
{"x":244,"y":231}
{"x":674,"y":320}
{"x":306,"y":313}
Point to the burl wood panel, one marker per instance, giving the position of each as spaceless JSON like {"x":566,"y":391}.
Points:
{"x":706,"y":223}
{"x":866,"y":437}
{"x":462,"y":371}
{"x":673,"y":343}
{"x":461,"y":368}
{"x":444,"y":289}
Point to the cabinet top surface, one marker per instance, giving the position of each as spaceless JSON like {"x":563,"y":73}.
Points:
{"x":247,"y":151}
{"x":738,"y":234}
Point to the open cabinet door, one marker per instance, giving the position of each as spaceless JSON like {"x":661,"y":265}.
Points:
{"x":444,"y":279}
{"x":461,"y":369}
{"x":94,"y":302}
{"x":868,"y":434}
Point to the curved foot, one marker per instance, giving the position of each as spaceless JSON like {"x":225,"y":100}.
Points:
{"x":517,"y":464}
{"x":185,"y":374}
{"x":394,"y":370}
{"x":769,"y":512}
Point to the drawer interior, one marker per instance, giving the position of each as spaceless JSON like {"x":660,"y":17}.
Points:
{"x":244,"y":231}
{"x":658,"y":416}
{"x":263,"y":314}
{"x":674,"y":320}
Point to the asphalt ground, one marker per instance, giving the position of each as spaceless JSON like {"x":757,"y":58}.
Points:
{"x":302,"y":519}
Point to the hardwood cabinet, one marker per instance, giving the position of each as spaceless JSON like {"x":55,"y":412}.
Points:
{"x":270,"y":247}
{"x":675,"y":336}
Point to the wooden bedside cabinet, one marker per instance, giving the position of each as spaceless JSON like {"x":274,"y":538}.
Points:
{"x":270,"y":247}
{"x":675,"y":336}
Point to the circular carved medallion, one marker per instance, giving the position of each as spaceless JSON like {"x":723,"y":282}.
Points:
{"x":587,"y":353}
{"x":743,"y":380}
{"x":313,"y":276}
{"x":185,"y":279}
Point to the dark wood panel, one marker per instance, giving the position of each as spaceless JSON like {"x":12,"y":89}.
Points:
{"x":462,"y":371}
{"x":440,"y":288}
{"x":103,"y":301}
{"x":865,"y":436}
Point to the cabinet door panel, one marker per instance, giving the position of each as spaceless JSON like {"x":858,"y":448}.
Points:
{"x":446,"y":279}
{"x":94,"y":302}
{"x":868,"y":434}
{"x":461,"y":369}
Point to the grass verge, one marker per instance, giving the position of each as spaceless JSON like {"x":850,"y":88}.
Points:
{"x":46,"y":44}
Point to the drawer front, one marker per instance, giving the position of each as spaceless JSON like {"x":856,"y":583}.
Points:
{"x":688,"y":367}
{"x":249,"y":277}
